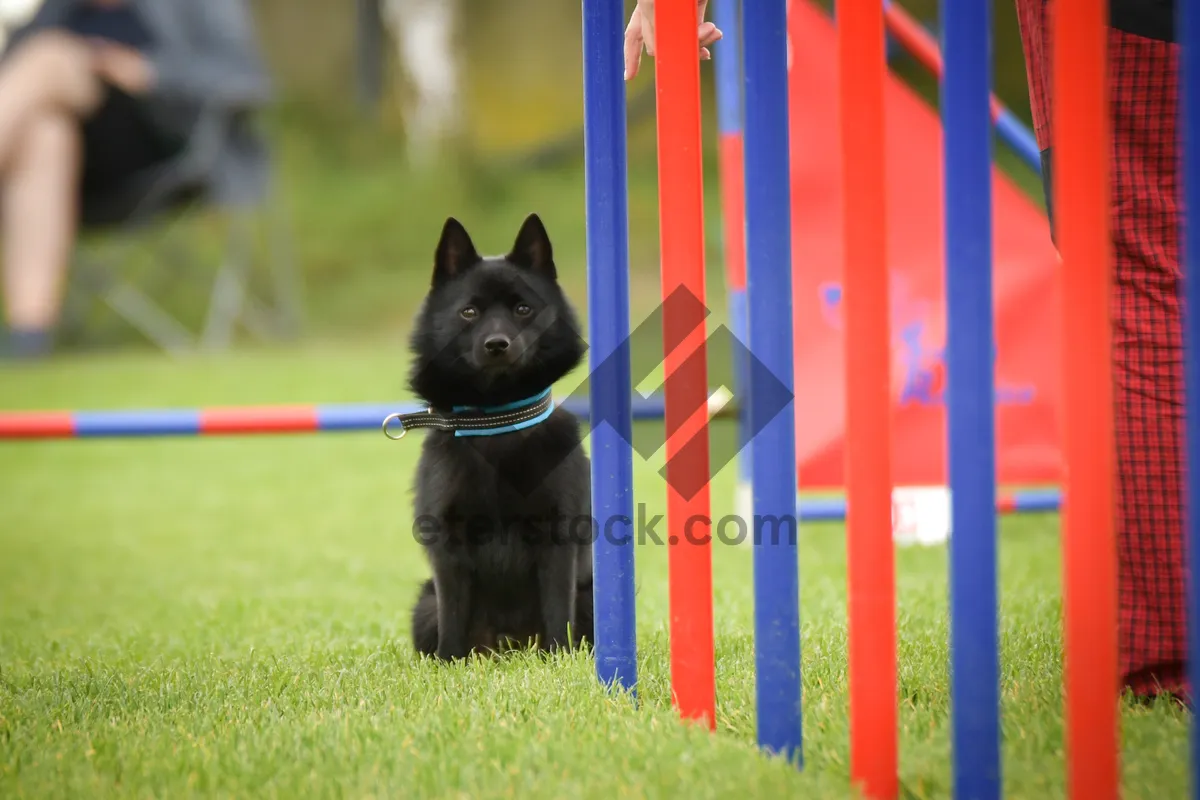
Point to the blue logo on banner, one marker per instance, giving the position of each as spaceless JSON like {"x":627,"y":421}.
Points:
{"x":923,"y":366}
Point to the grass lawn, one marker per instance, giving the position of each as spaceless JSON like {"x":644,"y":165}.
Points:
{"x":228,"y":617}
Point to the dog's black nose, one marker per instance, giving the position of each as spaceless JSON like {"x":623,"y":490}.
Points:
{"x":496,"y":345}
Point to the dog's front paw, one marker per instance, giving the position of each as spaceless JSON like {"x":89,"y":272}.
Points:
{"x":450,"y":654}
{"x":553,"y":644}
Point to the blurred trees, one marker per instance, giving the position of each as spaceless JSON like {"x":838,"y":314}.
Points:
{"x":520,"y":63}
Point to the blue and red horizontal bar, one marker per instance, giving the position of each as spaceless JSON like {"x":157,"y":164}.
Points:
{"x":241,"y":419}
{"x":833,"y":509}
{"x":248,"y":420}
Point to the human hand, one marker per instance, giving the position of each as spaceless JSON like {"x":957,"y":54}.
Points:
{"x":122,"y":66}
{"x":640,"y":33}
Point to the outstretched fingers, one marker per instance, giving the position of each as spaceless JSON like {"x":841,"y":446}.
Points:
{"x":639,"y":36}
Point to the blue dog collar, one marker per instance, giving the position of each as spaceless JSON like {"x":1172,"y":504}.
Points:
{"x":477,"y":420}
{"x":493,"y":420}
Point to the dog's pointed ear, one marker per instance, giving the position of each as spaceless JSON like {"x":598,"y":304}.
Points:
{"x":532,"y":249}
{"x":455,"y":252}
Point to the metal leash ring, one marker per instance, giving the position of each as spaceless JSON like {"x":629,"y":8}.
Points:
{"x":388,"y":419}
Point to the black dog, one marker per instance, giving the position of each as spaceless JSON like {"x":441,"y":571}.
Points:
{"x":502,"y":489}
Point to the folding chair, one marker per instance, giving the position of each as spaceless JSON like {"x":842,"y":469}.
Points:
{"x":166,"y":194}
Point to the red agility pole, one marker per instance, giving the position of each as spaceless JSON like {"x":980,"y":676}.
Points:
{"x":1081,"y":198}
{"x":681,"y":218}
{"x":870,"y":568}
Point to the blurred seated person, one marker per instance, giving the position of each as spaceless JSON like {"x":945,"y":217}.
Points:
{"x":95,"y":95}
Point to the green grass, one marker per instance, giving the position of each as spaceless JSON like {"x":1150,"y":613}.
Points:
{"x":228,"y":617}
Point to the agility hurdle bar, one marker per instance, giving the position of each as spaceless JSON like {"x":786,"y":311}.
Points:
{"x":251,"y":420}
{"x":356,"y":417}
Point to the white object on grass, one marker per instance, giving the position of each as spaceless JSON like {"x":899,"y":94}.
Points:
{"x":920,"y":515}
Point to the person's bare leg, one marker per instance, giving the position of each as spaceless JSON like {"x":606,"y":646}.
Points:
{"x":47,"y":72}
{"x":47,"y":85}
{"x":39,"y":209}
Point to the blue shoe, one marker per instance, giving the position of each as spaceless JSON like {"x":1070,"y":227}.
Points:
{"x":27,"y":344}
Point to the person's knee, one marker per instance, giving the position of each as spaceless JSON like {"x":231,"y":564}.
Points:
{"x":61,"y":66}
{"x":50,"y":139}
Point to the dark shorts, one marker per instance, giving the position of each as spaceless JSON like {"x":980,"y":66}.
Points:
{"x":119,"y":142}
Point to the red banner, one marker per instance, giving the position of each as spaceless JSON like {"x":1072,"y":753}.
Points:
{"x":1025,"y":287}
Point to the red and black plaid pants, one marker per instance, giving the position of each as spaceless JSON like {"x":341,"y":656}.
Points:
{"x":1147,"y":344}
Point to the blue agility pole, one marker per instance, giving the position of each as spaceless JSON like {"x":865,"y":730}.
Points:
{"x":773,"y":450}
{"x":970,"y":380}
{"x":920,"y":43}
{"x":1189,"y":64}
{"x":609,"y":357}
{"x":731,"y":148}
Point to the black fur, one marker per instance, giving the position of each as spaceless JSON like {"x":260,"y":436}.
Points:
{"x":496,"y":513}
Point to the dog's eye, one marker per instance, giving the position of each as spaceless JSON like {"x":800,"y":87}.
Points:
{"x":469,"y":312}
{"x":523,"y":310}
